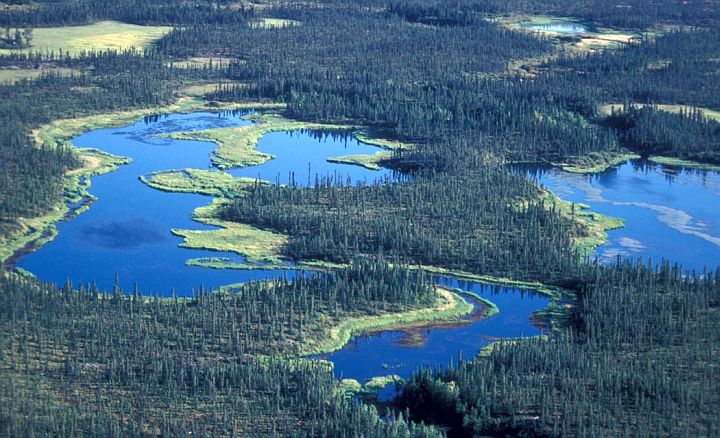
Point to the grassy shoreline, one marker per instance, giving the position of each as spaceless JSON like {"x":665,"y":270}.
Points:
{"x":450,"y":307}
{"x":36,"y":231}
{"x":236,"y":145}
{"x":597,"y":162}
{"x":252,"y":243}
{"x":677,"y":162}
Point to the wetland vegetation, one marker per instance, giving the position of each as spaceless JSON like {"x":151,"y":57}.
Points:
{"x":457,"y":98}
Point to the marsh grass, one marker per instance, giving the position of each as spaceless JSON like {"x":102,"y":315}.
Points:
{"x":205,"y":182}
{"x":236,"y":146}
{"x":254,"y":244}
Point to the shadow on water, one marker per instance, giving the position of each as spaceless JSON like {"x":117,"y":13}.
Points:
{"x":127,"y":230}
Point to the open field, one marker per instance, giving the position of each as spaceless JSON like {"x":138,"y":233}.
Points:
{"x":590,"y":40}
{"x":677,"y":162}
{"x":371,"y":162}
{"x":596,"y":162}
{"x":104,"y":35}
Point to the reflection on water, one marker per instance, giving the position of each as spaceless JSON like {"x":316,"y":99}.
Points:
{"x":300,"y":157}
{"x":390,"y":352}
{"x":669,"y":213}
{"x":127,"y":230}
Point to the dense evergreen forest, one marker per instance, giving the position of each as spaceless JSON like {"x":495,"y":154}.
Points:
{"x":637,"y":351}
{"x":75,"y":364}
{"x":637,"y":358}
{"x":689,"y":135}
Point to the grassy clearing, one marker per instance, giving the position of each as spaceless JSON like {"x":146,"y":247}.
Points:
{"x":252,"y":243}
{"x":11,"y":76}
{"x":607,"y":109}
{"x":204,"y":182}
{"x":39,"y":230}
{"x":373,"y":161}
{"x":190,"y":100}
{"x":236,"y":146}
{"x":376,"y":138}
{"x":596,"y":162}
{"x":450,"y":307}
{"x":104,"y":35}
{"x":677,"y":162}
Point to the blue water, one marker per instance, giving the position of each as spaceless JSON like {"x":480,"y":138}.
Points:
{"x":300,"y":156}
{"x":384,"y":354}
{"x":568,"y":28}
{"x":669,"y":213}
{"x":127,"y":230}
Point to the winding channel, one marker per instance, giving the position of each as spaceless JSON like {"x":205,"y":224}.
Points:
{"x":127,"y":232}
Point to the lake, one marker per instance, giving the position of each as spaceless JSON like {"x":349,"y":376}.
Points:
{"x":669,"y":212}
{"x":127,"y":230}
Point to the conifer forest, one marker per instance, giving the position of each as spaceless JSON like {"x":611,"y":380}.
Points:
{"x":208,"y":206}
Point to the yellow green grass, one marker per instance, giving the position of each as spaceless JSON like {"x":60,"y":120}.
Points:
{"x":598,"y":38}
{"x":62,"y":130}
{"x":375,"y":138}
{"x":204,"y":182}
{"x":594,"y":225}
{"x":104,"y":35}
{"x":371,"y":162}
{"x":227,"y":263}
{"x":11,"y":76}
{"x":450,"y":306}
{"x":252,"y":243}
{"x":42,"y":229}
{"x":677,"y":162}
{"x":236,"y":146}
{"x":596,"y":162}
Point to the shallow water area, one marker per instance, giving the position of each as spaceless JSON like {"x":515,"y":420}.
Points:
{"x":669,"y":212}
{"x":388,"y":353}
